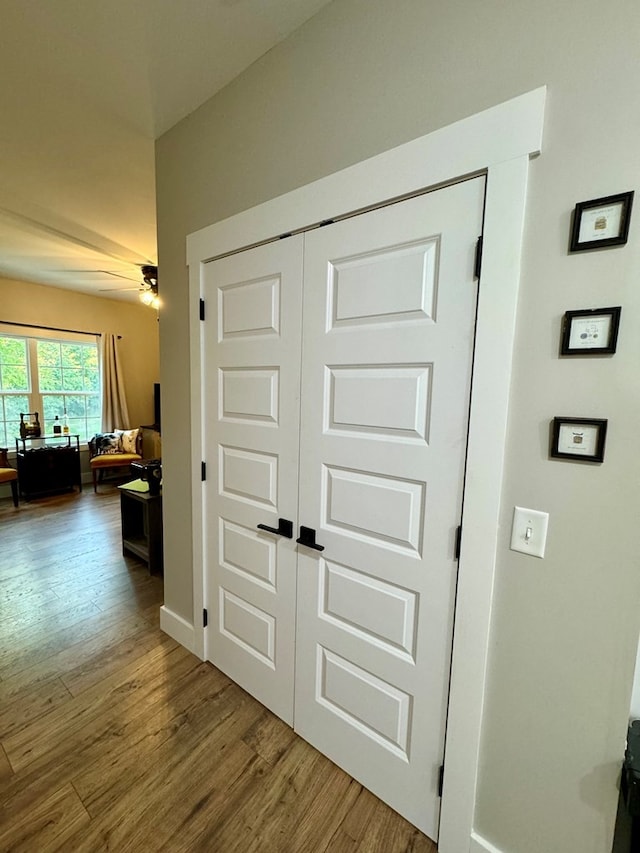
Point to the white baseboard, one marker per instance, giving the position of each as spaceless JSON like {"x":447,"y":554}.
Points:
{"x":178,"y":628}
{"x":479,"y":844}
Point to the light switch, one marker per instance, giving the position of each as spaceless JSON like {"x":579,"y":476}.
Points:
{"x":529,"y":531}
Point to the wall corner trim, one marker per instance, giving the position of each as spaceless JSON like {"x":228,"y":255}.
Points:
{"x":178,"y":628}
{"x":479,"y":844}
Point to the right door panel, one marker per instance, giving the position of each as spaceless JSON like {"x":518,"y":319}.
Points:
{"x":388,"y":330}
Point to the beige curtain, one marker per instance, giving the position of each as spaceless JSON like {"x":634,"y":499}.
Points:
{"x":115,"y":414}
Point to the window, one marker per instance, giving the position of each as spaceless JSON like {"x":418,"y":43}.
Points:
{"x":15,"y":388}
{"x":53,"y":378}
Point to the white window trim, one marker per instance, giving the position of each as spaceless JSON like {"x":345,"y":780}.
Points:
{"x":499,"y":142}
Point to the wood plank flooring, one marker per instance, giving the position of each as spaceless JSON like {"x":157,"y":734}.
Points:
{"x":115,"y":738}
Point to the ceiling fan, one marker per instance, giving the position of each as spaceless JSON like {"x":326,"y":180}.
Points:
{"x":149,"y":271}
{"x":149,"y":277}
{"x":148,"y":288}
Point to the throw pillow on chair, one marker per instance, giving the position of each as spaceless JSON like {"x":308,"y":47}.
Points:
{"x":117,"y":449}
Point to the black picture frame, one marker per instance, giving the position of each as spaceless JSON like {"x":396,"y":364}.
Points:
{"x":578,"y":439}
{"x":605,"y":220}
{"x":590,"y":331}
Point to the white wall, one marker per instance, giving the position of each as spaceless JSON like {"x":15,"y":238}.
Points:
{"x":39,"y":304}
{"x":634,"y":711}
{"x":361,"y":77}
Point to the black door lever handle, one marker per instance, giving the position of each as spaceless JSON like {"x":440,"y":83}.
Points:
{"x":308,"y":538}
{"x":284,"y":528}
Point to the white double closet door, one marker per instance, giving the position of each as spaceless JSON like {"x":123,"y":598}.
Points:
{"x":336,"y":395}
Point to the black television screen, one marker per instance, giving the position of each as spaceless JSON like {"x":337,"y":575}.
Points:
{"x":156,"y":405}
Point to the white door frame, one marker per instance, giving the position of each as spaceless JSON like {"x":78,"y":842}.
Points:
{"x":499,"y":142}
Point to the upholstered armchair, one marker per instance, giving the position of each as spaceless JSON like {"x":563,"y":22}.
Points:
{"x":8,"y":474}
{"x":117,"y":449}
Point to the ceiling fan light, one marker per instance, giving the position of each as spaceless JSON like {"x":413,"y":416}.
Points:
{"x":147,"y":296}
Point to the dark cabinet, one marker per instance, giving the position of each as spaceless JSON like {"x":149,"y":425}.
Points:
{"x":141,"y":515}
{"x":48,"y":464}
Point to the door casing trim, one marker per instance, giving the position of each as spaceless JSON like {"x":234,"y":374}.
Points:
{"x":499,"y":142}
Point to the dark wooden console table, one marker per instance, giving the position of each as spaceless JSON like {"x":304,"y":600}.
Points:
{"x":47,"y":464}
{"x":141,"y":515}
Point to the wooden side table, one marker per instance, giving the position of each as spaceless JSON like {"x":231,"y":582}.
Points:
{"x":141,"y":515}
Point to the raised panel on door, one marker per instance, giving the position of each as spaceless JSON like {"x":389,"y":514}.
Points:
{"x":389,"y":315}
{"x":251,"y":410}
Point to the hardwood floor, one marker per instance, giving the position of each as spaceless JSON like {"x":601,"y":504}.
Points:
{"x":114,"y":737}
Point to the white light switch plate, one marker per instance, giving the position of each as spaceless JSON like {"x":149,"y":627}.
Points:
{"x":529,"y":531}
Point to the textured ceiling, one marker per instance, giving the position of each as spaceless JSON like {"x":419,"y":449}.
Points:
{"x":85,"y":88}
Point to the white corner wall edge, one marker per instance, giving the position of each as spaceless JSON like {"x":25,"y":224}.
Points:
{"x":481,"y":845}
{"x":497,"y":142}
{"x":634,"y":711}
{"x":178,"y":628}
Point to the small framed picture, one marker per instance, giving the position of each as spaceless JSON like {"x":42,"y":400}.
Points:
{"x":578,"y":438}
{"x":593,"y":331}
{"x":601,"y":222}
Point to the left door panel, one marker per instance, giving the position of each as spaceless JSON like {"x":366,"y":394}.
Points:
{"x":252,"y":340}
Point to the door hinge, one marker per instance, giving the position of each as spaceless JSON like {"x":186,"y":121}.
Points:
{"x":205,"y":617}
{"x":440,"y":780}
{"x":458,"y":542}
{"x":203,"y":471}
{"x":477,"y":266}
{"x":202,"y":309}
